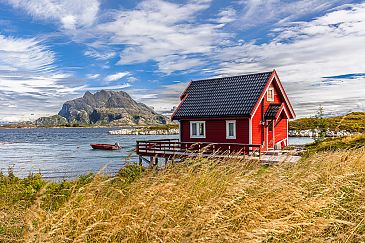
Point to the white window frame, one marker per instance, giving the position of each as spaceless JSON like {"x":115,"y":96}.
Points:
{"x":197,"y":125}
{"x":273,"y":94}
{"x":234,"y":129}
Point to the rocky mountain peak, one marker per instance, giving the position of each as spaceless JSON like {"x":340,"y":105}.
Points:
{"x":107,"y":106}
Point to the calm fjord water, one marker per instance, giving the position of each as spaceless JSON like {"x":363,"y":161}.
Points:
{"x":66,"y":153}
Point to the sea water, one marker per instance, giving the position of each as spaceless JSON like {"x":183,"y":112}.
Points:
{"x":65,"y":153}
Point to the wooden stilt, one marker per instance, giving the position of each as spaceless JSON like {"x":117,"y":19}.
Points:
{"x":156,"y":161}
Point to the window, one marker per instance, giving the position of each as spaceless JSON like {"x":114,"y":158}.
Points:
{"x":270,"y":94}
{"x":231,"y":129}
{"x":197,"y":129}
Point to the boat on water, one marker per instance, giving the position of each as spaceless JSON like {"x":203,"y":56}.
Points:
{"x":105,"y":146}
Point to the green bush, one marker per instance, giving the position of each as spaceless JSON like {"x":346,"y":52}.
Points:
{"x":130,"y":173}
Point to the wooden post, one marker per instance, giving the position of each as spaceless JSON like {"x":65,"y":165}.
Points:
{"x":140,"y":160}
{"x":156,"y":161}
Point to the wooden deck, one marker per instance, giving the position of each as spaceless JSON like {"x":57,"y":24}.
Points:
{"x":173,"y":149}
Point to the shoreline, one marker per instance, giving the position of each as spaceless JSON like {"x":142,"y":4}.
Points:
{"x":59,"y":127}
{"x":292,"y":133}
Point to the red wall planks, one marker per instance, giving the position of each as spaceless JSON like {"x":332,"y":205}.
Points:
{"x":216,"y":131}
{"x":281,"y":130}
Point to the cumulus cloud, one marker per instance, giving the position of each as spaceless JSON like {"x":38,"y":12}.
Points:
{"x":304,"y":53}
{"x":157,"y":30}
{"x":70,"y":14}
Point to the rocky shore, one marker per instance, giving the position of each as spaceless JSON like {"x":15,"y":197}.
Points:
{"x":128,"y":131}
{"x":317,"y":132}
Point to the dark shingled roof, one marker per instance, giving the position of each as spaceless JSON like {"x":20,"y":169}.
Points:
{"x":272,"y":110}
{"x":227,"y":97}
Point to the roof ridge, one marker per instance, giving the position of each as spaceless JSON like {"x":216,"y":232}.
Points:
{"x":235,"y":76}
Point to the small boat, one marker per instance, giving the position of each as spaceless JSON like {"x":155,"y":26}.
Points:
{"x":105,"y":146}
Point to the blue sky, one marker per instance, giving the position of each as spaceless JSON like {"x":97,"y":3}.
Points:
{"x":52,"y":50}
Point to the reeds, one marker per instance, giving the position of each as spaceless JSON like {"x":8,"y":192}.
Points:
{"x":318,"y":199}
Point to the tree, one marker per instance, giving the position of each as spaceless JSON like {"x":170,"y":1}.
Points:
{"x":321,"y":124}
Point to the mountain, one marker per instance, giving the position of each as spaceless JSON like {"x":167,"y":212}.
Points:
{"x":105,"y":107}
{"x":54,"y":120}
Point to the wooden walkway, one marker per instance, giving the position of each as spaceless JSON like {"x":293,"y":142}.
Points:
{"x":171,"y":149}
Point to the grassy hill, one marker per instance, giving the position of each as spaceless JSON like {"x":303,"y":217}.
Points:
{"x":320,"y":198}
{"x":354,"y":122}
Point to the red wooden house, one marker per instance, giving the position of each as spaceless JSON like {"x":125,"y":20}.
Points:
{"x":247,"y":109}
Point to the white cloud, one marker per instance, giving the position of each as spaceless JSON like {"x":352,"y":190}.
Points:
{"x":69,"y":22}
{"x":100,"y":55}
{"x":109,"y":87}
{"x":29,"y":76}
{"x":69,"y":13}
{"x":178,"y":38}
{"x":305,"y":52}
{"x":157,"y":30}
{"x":93,"y":76}
{"x":20,"y":54}
{"x":258,"y":12}
{"x":132,"y":79}
{"x":164,"y":100}
{"x":227,"y":15}
{"x":178,"y":63}
{"x":116,"y":76}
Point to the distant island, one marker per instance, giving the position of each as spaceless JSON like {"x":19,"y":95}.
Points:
{"x":102,"y":108}
{"x":351,"y":123}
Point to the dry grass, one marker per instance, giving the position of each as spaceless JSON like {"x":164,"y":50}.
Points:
{"x":319,"y":199}
{"x":337,"y":143}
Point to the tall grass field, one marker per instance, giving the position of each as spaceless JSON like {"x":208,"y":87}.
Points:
{"x":318,"y":199}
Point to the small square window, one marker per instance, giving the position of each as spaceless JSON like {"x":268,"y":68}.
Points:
{"x":270,"y":94}
{"x":197,"y":129}
{"x":231,"y":129}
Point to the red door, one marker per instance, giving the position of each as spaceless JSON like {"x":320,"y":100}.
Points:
{"x":270,"y":135}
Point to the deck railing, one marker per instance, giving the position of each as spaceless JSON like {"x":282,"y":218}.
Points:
{"x":171,"y":147}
